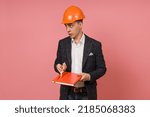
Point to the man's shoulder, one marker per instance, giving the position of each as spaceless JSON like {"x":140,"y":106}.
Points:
{"x":93,"y":41}
{"x":66,"y":39}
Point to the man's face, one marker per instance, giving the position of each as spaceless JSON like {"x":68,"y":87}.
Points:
{"x":73,"y":29}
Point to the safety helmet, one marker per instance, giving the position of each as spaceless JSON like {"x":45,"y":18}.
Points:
{"x":72,"y":14}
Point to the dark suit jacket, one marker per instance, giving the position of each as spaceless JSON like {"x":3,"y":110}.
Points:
{"x":94,"y":64}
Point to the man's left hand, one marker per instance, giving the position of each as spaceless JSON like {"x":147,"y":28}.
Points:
{"x":85,"y":77}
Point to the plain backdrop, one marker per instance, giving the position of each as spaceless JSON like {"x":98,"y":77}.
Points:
{"x":29,"y":35}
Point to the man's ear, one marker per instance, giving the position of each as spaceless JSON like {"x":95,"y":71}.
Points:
{"x":81,"y":24}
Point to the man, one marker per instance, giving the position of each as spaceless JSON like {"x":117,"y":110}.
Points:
{"x":79,"y":54}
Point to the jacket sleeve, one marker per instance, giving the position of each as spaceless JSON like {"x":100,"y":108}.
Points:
{"x":100,"y":64}
{"x":58,"y":59}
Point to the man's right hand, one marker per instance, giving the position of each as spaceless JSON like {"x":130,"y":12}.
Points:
{"x":61,"y":68}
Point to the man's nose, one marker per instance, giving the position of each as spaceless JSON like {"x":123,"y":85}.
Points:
{"x":68,"y":29}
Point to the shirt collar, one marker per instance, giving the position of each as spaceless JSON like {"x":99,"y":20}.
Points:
{"x":81,"y":40}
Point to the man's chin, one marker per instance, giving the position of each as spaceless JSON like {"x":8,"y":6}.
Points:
{"x":71,"y":36}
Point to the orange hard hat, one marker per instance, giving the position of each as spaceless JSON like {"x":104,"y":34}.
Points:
{"x":71,"y":14}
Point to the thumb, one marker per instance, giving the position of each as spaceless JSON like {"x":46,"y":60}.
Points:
{"x":81,"y":74}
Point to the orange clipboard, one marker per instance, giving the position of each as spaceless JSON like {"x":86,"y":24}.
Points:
{"x":67,"y":78}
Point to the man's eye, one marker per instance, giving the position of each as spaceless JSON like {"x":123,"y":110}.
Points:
{"x":70,"y":25}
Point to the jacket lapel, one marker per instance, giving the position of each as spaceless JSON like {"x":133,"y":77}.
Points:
{"x":87,"y":48}
{"x":68,"y":50}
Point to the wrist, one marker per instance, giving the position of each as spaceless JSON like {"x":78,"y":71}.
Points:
{"x":89,"y":77}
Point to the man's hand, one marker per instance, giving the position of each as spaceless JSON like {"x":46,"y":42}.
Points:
{"x":85,"y":77}
{"x":61,"y":68}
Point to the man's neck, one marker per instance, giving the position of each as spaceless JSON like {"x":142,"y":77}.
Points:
{"x":78,"y":37}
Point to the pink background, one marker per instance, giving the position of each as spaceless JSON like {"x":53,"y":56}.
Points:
{"x":30,"y":31}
